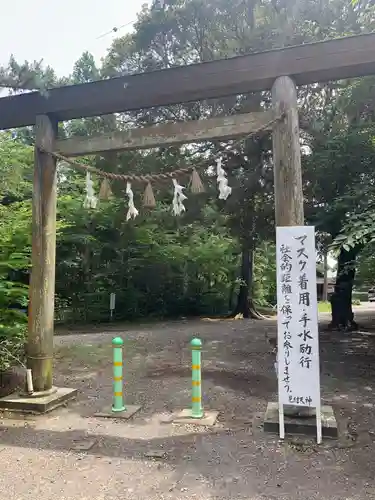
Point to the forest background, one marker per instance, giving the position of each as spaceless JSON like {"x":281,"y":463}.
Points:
{"x":218,"y":258}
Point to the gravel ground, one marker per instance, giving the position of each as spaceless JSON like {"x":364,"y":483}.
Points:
{"x":147,"y":458}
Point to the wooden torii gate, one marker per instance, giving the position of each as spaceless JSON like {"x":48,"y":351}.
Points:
{"x":280,"y":70}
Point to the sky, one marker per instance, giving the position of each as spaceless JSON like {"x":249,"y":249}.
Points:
{"x":60,"y":31}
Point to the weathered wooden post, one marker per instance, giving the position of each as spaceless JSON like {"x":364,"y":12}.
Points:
{"x":287,"y":155}
{"x":42,"y":283}
{"x":287,"y":172}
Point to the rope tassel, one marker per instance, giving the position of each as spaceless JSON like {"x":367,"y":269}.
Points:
{"x":90,"y":200}
{"x":196,"y":183}
{"x":132,"y":211}
{"x":148,"y":197}
{"x":105,"y":192}
{"x":224,"y":189}
{"x":178,"y":197}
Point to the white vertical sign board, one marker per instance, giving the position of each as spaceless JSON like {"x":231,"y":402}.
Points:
{"x":297,"y":321}
{"x":112,"y":303}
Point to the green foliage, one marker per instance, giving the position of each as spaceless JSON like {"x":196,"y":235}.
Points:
{"x":337,"y":175}
{"x":85,"y":69}
{"x":14,"y":259}
{"x":15,"y":169}
{"x":365,"y":275}
{"x":156,"y":266}
{"x":358,"y":230}
{"x":27,"y":76}
{"x":356,"y":205}
{"x":15,"y":227}
{"x":265,"y":274}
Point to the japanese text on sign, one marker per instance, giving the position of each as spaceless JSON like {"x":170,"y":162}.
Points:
{"x":297,"y":318}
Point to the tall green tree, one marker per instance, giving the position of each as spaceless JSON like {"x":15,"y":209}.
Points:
{"x":181,"y":32}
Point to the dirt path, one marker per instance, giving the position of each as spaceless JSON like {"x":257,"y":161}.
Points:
{"x":234,"y":460}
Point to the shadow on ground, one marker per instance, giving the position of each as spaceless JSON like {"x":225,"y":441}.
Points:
{"x":234,"y":460}
{"x":241,"y":381}
{"x":243,"y":462}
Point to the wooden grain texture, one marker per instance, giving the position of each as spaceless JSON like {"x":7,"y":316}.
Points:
{"x":42,"y":283}
{"x":308,"y":63}
{"x":287,"y":155}
{"x":228,"y":127}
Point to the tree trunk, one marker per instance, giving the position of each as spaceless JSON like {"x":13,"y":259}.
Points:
{"x":86,"y":257}
{"x":325,"y":282}
{"x":341,"y":300}
{"x":245,"y":304}
{"x":231,"y":293}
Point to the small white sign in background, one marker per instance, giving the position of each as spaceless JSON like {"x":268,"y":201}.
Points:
{"x":112,"y":303}
{"x":297,"y":321}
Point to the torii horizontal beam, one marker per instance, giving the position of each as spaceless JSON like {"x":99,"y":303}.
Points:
{"x":167,"y":134}
{"x":321,"y":61}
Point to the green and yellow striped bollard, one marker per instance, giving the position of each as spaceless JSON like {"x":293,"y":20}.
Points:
{"x":196,"y":379}
{"x":118,"y":401}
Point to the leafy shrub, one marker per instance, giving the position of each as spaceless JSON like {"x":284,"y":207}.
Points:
{"x":14,"y":262}
{"x":155,"y":268}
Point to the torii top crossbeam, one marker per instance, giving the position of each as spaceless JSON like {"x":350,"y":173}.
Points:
{"x":322,"y":61}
